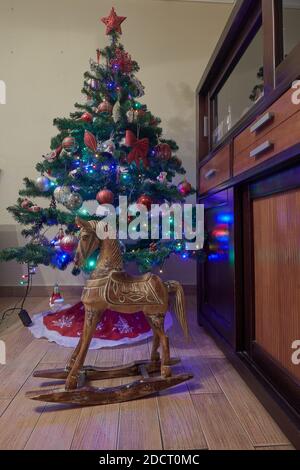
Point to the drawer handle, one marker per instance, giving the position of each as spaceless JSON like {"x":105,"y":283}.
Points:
{"x":261,"y":148}
{"x":210,"y":174}
{"x":261,"y":122}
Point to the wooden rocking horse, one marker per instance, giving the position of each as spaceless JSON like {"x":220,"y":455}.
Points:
{"x":110,"y":287}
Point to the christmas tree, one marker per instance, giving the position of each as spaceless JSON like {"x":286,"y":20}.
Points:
{"x":109,"y":146}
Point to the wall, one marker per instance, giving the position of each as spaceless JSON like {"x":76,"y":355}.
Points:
{"x":45,"y":47}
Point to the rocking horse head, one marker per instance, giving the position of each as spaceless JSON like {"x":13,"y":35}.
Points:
{"x":94,"y":235}
{"x":88,"y":241}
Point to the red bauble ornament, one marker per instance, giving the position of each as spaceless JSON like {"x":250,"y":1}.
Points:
{"x":153,"y":247}
{"x":105,"y":107}
{"x":35,"y":208}
{"x":90,"y":141}
{"x":86,"y":117}
{"x":26,"y":203}
{"x":113,"y":22}
{"x":145,"y":200}
{"x":69,"y":143}
{"x":185,"y":188}
{"x":164,"y":151}
{"x":69,"y":243}
{"x":105,"y":196}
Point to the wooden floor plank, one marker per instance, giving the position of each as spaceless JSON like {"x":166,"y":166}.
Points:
{"x":138,"y":420}
{"x":56,"y":354}
{"x":17,"y":342}
{"x":199,"y":344}
{"x":139,"y":425}
{"x":56,"y":426}
{"x":54,"y":429}
{"x":179,"y":423}
{"x":221,"y":427}
{"x":204,"y":380}
{"x":97,"y":427}
{"x":216,"y":409}
{"x":15,"y":373}
{"x":136,"y":352}
{"x":259,"y":425}
{"x":287,"y":447}
{"x":110,"y":356}
{"x":4,"y":404}
{"x":61,"y":354}
{"x":20,"y":417}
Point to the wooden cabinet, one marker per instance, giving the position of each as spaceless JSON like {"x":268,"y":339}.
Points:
{"x":280,"y":138}
{"x":275,"y":115}
{"x":249,"y":182}
{"x":216,"y":171}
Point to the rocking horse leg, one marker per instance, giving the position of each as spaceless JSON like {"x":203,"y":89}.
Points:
{"x":90,"y":322}
{"x":157,"y":323}
{"x":75,"y":353}
{"x":155,"y":356}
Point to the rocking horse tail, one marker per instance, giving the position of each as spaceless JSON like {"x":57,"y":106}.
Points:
{"x":179,"y":304}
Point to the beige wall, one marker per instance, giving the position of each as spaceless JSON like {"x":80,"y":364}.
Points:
{"x":45,"y":47}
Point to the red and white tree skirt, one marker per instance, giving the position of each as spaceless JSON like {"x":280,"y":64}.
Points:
{"x":64,"y":327}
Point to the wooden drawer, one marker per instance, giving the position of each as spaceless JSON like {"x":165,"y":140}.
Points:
{"x":216,"y":171}
{"x":280,"y":138}
{"x":281,"y":110}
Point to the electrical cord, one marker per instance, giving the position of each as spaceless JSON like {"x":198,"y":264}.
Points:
{"x":21,"y":299}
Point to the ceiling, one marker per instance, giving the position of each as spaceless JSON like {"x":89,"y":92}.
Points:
{"x":203,"y":1}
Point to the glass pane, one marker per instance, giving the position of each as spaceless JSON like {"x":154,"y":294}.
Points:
{"x":243,"y":88}
{"x":291,"y":24}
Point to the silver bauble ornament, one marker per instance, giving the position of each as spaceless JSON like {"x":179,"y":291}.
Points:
{"x":61,"y":193}
{"x":123,"y":247}
{"x":140,"y":89}
{"x":108,"y":146}
{"x":75,"y":173}
{"x":74,"y":202}
{"x":43,"y":183}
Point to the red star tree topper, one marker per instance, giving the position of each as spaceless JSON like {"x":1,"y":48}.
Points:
{"x":113,"y":22}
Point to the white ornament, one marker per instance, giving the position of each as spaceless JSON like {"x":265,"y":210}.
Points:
{"x":116,"y":113}
{"x":162,"y":177}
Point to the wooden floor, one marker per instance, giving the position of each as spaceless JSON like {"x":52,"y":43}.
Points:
{"x":216,"y":410}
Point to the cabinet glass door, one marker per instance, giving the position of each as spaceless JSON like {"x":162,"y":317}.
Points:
{"x":291,"y":25}
{"x":243,"y":89}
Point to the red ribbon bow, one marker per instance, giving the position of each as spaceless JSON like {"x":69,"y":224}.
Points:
{"x":139,"y":149}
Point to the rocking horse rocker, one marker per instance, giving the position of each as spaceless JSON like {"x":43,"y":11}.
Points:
{"x":110,"y":287}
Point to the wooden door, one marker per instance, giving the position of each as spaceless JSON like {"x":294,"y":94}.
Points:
{"x":271,"y":212}
{"x":276,"y":247}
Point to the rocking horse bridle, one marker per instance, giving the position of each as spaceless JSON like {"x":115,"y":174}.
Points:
{"x":80,"y":256}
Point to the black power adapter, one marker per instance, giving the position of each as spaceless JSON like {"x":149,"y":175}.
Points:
{"x":25,"y":318}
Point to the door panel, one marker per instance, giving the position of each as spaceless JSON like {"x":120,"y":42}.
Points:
{"x":276,"y":247}
{"x":217,"y":305}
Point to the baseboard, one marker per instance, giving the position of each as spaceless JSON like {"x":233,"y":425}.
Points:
{"x":67,"y":291}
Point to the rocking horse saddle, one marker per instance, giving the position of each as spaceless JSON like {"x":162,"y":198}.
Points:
{"x":120,"y":288}
{"x":121,"y":276}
